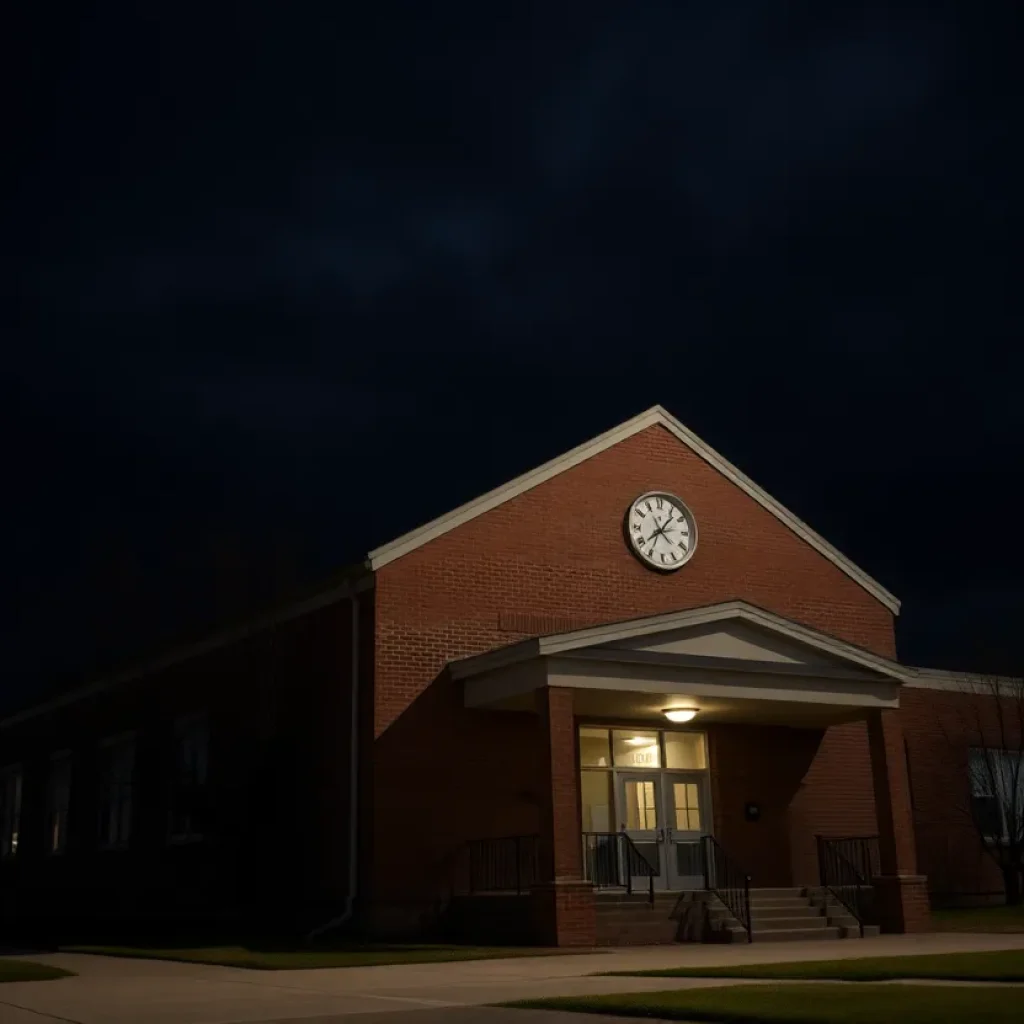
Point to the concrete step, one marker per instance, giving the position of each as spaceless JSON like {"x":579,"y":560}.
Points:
{"x":788,"y":934}
{"x":629,"y":920}
{"x":782,"y":910}
{"x":797,"y":910}
{"x":784,"y":923}
{"x":660,"y":905}
{"x":635,"y":897}
{"x":640,"y":935}
{"x":633,"y":926}
{"x":774,"y":893}
{"x":643,"y":912}
{"x":852,"y":931}
{"x":777,"y":904}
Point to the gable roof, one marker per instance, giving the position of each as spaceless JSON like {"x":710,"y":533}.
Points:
{"x":728,"y":611}
{"x":655,"y":416}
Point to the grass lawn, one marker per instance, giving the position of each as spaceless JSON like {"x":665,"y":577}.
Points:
{"x":23,"y":970}
{"x":806,"y":1004}
{"x":979,"y":919}
{"x":302,"y":959}
{"x":1001,"y":965}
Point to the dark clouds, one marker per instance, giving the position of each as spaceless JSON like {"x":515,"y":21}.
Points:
{"x":270,"y":259}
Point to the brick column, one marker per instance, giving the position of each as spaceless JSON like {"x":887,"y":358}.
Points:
{"x":902,"y":893}
{"x":563,"y":903}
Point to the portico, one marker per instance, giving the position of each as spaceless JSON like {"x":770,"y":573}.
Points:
{"x":764,"y":691}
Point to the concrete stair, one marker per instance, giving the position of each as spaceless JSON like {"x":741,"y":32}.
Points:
{"x":631,"y":920}
{"x":780,"y":915}
{"x":777,"y":915}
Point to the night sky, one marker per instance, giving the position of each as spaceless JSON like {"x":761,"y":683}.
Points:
{"x":291,"y":278}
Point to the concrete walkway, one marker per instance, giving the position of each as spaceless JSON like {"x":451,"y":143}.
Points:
{"x":110,"y":991}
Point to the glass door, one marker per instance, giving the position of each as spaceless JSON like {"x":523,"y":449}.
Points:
{"x":640,"y":812}
{"x":685,"y":807}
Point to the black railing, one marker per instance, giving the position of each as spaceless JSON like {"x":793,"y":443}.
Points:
{"x":846,"y":867}
{"x":861,"y":852}
{"x":502,"y":865}
{"x":727,"y":881}
{"x":611,"y":860}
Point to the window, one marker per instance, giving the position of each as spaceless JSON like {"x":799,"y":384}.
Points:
{"x":58,"y":797}
{"x":685,"y":750}
{"x":997,"y":792}
{"x":116,"y":771}
{"x":594,"y":750}
{"x":188,"y":780}
{"x":596,"y":801}
{"x":10,"y":809}
{"x":636,"y":749}
{"x":641,"y":805}
{"x":686,"y":802}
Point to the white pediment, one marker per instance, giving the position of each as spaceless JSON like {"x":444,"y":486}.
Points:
{"x":733,"y":640}
{"x":732,"y":633}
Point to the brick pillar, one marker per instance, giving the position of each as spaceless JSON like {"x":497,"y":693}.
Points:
{"x":562,"y":902}
{"x":902,"y":893}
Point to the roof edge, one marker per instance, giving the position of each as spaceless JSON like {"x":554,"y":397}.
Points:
{"x":655,"y":416}
{"x":355,"y":580}
{"x":919,"y":678}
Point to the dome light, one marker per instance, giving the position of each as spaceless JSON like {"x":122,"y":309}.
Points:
{"x":680,"y":714}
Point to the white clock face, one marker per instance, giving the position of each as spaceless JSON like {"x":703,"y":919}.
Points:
{"x":661,"y":530}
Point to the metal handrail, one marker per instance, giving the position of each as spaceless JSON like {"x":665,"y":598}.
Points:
{"x":845,"y":868}
{"x":611,"y":860}
{"x":861,"y":851}
{"x":727,"y":881}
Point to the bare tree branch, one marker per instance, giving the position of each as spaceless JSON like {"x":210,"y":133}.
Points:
{"x":990,"y":735}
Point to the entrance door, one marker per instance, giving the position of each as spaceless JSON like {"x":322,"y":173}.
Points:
{"x":685,"y":801}
{"x":640,"y":817}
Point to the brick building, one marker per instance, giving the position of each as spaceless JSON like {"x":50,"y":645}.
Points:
{"x":628,"y":669}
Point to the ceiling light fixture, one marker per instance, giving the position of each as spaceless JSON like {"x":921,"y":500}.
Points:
{"x":680,"y":714}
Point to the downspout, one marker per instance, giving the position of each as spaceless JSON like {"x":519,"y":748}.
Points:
{"x":353,"y":829}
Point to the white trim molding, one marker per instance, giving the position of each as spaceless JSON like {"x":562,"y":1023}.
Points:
{"x":655,"y":416}
{"x":728,"y":611}
{"x":971,"y":683}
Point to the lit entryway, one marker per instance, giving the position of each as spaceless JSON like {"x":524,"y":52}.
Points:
{"x":652,"y":786}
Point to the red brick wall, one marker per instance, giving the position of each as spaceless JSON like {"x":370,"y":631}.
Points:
{"x":939,"y":727}
{"x":766,"y":766}
{"x":836,"y":797}
{"x":553,"y":553}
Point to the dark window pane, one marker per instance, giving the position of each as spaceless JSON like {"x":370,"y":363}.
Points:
{"x":987,"y":815}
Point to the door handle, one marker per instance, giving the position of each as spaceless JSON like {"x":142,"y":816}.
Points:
{"x":661,"y":835}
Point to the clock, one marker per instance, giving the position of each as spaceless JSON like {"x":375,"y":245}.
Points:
{"x":661,"y":531}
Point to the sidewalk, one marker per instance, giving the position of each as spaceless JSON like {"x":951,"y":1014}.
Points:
{"x":110,"y":991}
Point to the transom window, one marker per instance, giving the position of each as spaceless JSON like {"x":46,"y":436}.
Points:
{"x":641,"y":748}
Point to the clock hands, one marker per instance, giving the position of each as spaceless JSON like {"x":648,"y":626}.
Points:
{"x":660,"y":531}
